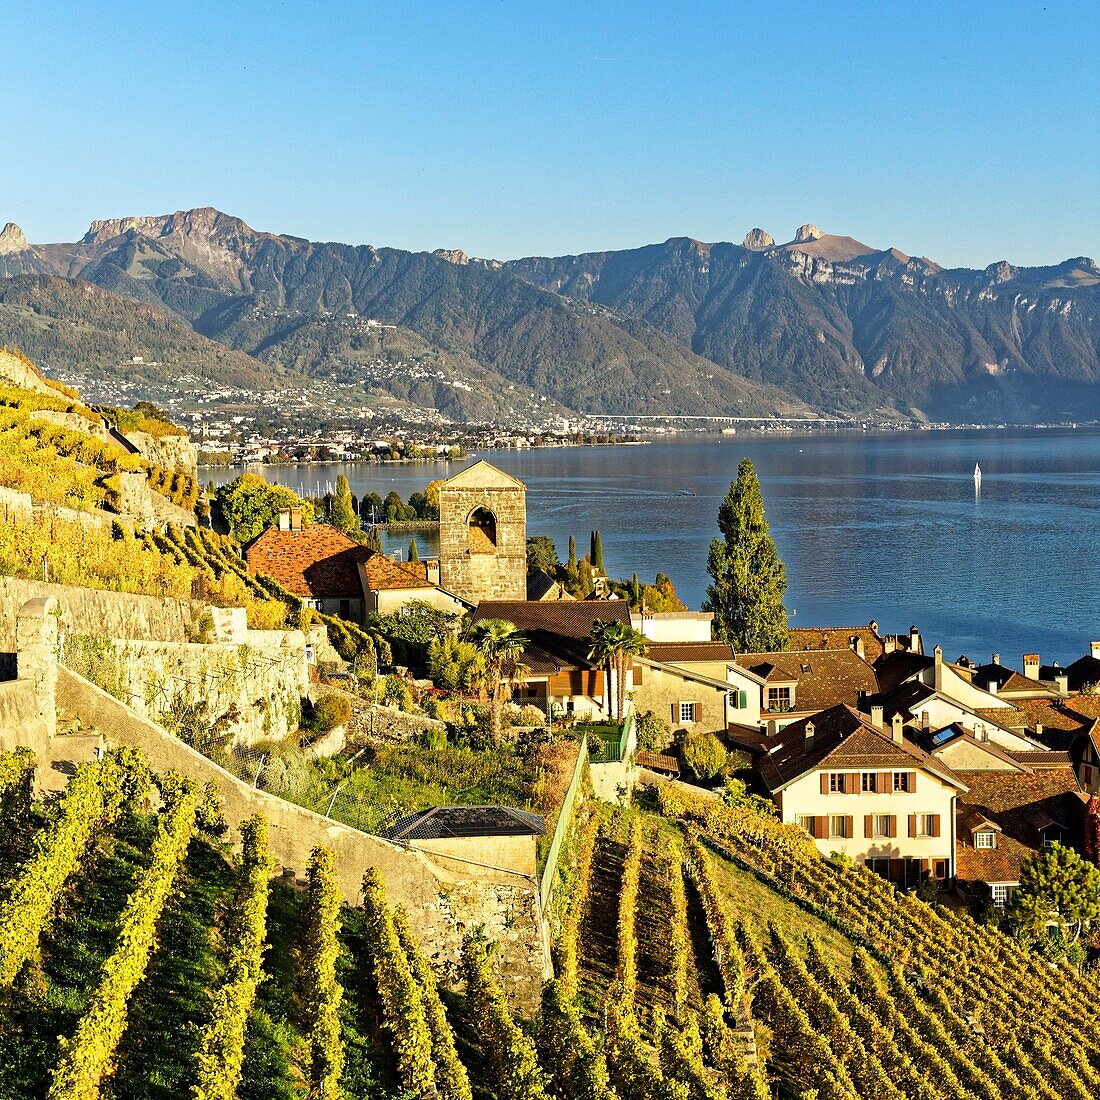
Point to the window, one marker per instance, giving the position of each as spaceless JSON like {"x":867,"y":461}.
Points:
{"x":881,"y":825}
{"x":901,"y":782}
{"x":1000,"y":894}
{"x":839,"y":826}
{"x":803,"y":821}
{"x":779,"y":698}
{"x":942,"y":868}
{"x":879,"y":865}
{"x":738,"y":700}
{"x":986,"y":838}
{"x":687,"y":712}
{"x":836,"y":782}
{"x":868,"y":782}
{"x":923,"y":825}
{"x":345,"y":609}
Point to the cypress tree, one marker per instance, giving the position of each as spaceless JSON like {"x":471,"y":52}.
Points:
{"x":749,"y":579}
{"x":374,"y":540}
{"x":572,"y":555}
{"x":342,"y":508}
{"x":597,"y":551}
{"x":414,"y":554}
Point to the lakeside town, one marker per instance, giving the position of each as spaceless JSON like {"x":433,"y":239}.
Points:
{"x":654,"y":845}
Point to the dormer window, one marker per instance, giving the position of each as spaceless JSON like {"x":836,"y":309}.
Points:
{"x":985,"y":838}
{"x":779,"y":698}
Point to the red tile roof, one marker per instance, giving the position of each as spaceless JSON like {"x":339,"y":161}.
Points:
{"x":678,"y":653}
{"x":384,"y":574}
{"x":837,"y":637}
{"x":1019,"y":804}
{"x":843,"y":738}
{"x":824,"y":677}
{"x":317,"y":561}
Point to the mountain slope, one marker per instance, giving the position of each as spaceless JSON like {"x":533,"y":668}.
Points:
{"x":196,"y":263}
{"x":90,"y":335}
{"x":864,"y":326}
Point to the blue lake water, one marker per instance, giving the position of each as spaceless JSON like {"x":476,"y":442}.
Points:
{"x":878,"y":526}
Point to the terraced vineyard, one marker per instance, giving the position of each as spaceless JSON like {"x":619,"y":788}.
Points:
{"x":702,"y":953}
{"x":778,"y":973}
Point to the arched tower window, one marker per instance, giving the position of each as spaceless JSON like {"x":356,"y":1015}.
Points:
{"x":483,"y":531}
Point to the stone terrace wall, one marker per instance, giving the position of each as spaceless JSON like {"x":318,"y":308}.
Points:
{"x":94,"y":611}
{"x":444,"y":897}
{"x":20,"y":723}
{"x":254,"y":686}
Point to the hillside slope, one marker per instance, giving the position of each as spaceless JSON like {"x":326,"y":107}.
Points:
{"x":845,"y":325}
{"x":198,"y":263}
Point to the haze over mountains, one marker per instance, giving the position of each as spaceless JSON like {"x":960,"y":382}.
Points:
{"x":822,"y":322}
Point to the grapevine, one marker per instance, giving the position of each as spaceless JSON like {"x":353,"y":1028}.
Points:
{"x":221,"y":1051}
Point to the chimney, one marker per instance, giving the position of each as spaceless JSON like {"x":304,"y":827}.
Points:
{"x":924,"y":720}
{"x":1031,"y":666}
{"x":996,"y":658}
{"x":284,"y":521}
{"x":1039,"y":730}
{"x":983,"y":733}
{"x":914,"y":641}
{"x":1094,"y":650}
{"x":938,"y":680}
{"x":876,"y":717}
{"x":896,"y":726}
{"x":809,"y":736}
{"x":295,"y":519}
{"x":1061,"y":682}
{"x":992,"y":686}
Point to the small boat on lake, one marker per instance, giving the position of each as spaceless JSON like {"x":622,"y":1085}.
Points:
{"x":977,"y":478}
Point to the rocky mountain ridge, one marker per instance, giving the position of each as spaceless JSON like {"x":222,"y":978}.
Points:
{"x":686,"y":326}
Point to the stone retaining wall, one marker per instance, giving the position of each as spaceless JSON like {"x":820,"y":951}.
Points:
{"x":95,"y":611}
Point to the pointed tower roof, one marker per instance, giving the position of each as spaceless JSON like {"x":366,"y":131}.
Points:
{"x":484,"y":474}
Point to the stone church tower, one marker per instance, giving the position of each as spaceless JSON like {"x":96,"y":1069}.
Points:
{"x":483,"y":535}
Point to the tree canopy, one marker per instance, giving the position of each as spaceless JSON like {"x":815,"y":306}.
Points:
{"x":250,"y":505}
{"x":748,"y":577}
{"x":1057,"y":884}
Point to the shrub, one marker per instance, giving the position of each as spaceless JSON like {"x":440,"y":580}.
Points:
{"x":654,"y":733}
{"x":330,"y":710}
{"x":705,"y":755}
{"x":530,"y":715}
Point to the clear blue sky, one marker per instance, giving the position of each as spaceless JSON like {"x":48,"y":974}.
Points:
{"x":965,"y":131}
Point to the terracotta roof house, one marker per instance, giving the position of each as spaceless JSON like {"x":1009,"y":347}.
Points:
{"x":866,"y":790}
{"x":866,"y":641}
{"x":1005,"y":817}
{"x":316,"y":562}
{"x":338,"y":576}
{"x":559,"y":636}
{"x":799,"y":682}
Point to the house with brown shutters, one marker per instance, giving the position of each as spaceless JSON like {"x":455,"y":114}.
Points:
{"x":865,"y":789}
{"x":558,"y":636}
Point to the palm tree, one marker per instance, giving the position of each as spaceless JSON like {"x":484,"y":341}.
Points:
{"x":615,"y":645}
{"x":500,"y":644}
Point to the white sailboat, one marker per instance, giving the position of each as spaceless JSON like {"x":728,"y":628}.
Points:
{"x":977,"y":478}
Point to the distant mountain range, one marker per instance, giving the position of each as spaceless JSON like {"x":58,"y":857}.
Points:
{"x":822,"y":322}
